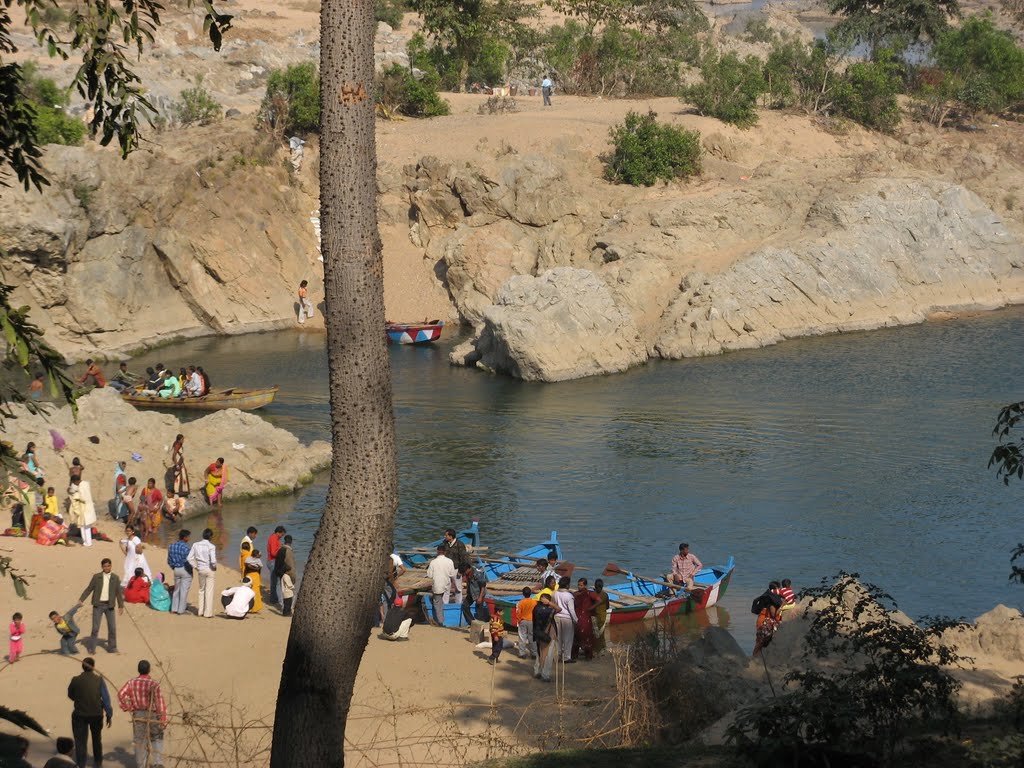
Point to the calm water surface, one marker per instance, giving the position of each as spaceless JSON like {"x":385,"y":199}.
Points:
{"x":865,"y":452}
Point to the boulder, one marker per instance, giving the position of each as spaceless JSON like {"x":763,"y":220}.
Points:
{"x":998,"y":634}
{"x":262,"y":459}
{"x":561,"y":325}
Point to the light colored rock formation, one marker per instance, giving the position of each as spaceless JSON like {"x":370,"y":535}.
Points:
{"x":116,"y":255}
{"x":740,"y":269}
{"x":267,"y":459}
{"x":561,"y":325}
{"x":885,"y":252}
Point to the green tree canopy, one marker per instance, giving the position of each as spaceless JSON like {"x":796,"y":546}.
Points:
{"x":894,"y":23}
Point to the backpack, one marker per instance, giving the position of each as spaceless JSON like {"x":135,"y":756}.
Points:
{"x":764,"y":600}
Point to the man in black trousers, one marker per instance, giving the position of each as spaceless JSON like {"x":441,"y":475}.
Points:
{"x":105,"y":588}
{"x":92,"y":701}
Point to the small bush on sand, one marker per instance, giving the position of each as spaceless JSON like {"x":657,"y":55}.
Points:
{"x":644,"y":150}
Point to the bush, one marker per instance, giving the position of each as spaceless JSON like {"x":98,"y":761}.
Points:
{"x":645,"y":151}
{"x":758,"y":31}
{"x":398,"y":91}
{"x":389,"y":11}
{"x":729,"y":90}
{"x":620,"y":58}
{"x":867,"y":93}
{"x":292,"y":101}
{"x":197,"y":105}
{"x":800,"y":75}
{"x":984,"y":66}
{"x":488,"y":67}
{"x":52,"y":124}
{"x":887,"y":677}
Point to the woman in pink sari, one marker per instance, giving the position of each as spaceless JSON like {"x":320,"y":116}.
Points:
{"x":584,"y":639}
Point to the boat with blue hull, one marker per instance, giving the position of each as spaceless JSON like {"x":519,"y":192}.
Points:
{"x":499,"y":569}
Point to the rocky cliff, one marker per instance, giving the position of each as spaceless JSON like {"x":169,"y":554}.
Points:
{"x":206,"y":233}
{"x":682,"y":274}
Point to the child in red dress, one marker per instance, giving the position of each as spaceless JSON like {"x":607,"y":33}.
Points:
{"x":17,"y":632}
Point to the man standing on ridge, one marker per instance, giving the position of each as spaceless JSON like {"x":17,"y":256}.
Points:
{"x":142,"y":697}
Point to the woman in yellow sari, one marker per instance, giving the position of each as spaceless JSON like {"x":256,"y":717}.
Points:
{"x":252,"y":568}
{"x":216,"y":479}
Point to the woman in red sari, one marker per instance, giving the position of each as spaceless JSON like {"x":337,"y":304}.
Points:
{"x":584,"y":639}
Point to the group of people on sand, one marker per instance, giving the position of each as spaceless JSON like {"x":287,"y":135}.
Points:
{"x":159,"y":381}
{"x":42,"y":516}
{"x":140,"y":696}
{"x":107,"y":592}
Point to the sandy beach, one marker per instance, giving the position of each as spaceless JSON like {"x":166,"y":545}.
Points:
{"x":431,"y":700}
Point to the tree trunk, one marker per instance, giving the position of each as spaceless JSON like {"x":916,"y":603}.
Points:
{"x":342,"y":580}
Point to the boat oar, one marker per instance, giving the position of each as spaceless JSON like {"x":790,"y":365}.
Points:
{"x":613,"y":570}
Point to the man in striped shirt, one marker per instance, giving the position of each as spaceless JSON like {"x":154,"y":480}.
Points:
{"x":141,"y":696}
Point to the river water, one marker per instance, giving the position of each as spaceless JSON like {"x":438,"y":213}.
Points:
{"x":865,"y":452}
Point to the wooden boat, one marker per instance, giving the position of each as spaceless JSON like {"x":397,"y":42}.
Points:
{"x":502,"y":570}
{"x":426,"y":332}
{"x":216,"y":400}
{"x":638,"y":599}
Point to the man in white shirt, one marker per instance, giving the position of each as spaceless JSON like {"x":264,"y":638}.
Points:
{"x":105,"y":589}
{"x":194,"y":384}
{"x":242,"y":598}
{"x":441,"y":571}
{"x":546,"y":88}
{"x":565,"y":619}
{"x":203,"y":559}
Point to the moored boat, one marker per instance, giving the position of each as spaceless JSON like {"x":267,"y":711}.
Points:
{"x":498,"y":568}
{"x":216,"y":400}
{"x":639,"y":599}
{"x":426,"y":332}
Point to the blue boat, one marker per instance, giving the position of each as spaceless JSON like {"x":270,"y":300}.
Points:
{"x":468,"y":536}
{"x":453,"y":611}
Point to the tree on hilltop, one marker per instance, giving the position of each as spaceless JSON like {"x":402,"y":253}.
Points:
{"x":465,"y":27}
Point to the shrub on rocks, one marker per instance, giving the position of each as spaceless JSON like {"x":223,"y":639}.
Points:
{"x":292,"y":101}
{"x":644,"y":150}
{"x":729,"y":89}
{"x":399,"y":92}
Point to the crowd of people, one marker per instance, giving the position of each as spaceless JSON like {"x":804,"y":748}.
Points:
{"x":159,"y":381}
{"x":37,"y":511}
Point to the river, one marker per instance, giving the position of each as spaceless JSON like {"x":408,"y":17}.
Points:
{"x":865,"y":452}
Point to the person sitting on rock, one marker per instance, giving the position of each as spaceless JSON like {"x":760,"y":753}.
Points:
{"x":93,"y":376}
{"x":174,"y":506}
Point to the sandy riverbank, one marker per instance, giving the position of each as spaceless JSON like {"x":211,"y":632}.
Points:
{"x":422,"y":702}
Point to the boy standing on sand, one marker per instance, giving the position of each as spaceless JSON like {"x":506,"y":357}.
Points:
{"x":524,"y":617}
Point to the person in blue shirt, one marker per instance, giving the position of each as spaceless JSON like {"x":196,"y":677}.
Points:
{"x":177,"y":560}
